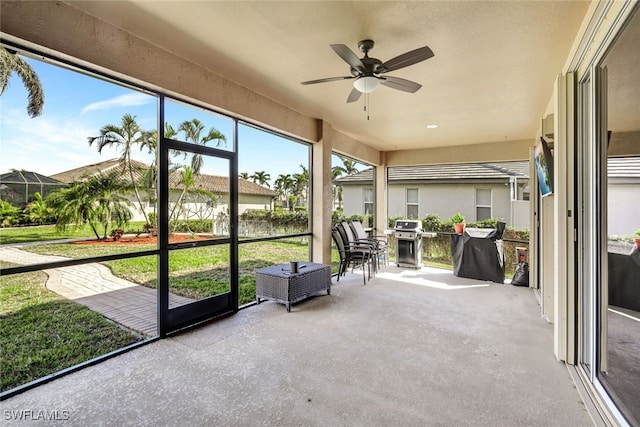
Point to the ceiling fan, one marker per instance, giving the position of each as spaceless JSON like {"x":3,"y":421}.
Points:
{"x":369,"y":72}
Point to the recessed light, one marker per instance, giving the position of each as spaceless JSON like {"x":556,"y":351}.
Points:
{"x":432,"y":126}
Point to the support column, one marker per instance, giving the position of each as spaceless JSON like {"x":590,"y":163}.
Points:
{"x":381,"y":223}
{"x":322,"y":197}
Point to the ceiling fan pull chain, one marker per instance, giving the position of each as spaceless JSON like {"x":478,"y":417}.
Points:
{"x":366,"y":106}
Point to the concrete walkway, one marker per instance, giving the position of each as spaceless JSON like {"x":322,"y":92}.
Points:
{"x":93,"y":285}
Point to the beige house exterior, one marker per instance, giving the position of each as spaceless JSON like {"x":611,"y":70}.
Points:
{"x":477,"y":191}
{"x":251,"y":196}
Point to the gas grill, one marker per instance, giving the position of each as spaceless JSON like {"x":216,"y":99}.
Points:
{"x":408,"y":236}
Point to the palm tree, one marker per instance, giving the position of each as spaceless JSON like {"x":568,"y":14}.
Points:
{"x":38,"y":211}
{"x":10,"y":62}
{"x":261,"y":178}
{"x":244,"y":175}
{"x":187,"y":181}
{"x":283,"y":185}
{"x":336,"y":172}
{"x":348,"y":166}
{"x":127,"y":135}
{"x":192,"y":130}
{"x":106,"y":193}
{"x":301,"y":184}
{"x":98,"y":201}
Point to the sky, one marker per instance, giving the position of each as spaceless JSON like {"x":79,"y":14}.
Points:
{"x":77,"y":106}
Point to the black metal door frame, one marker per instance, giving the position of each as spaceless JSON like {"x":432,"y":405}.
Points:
{"x":170,"y":320}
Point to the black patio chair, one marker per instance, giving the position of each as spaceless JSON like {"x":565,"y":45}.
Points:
{"x":364,"y":244}
{"x":379,"y":242}
{"x":355,"y":255}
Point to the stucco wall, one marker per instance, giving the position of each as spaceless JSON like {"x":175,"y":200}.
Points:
{"x":622,"y":210}
{"x":443,"y":200}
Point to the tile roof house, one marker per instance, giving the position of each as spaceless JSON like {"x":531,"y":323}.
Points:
{"x":481,"y":190}
{"x":250,"y":195}
{"x":477,"y":190}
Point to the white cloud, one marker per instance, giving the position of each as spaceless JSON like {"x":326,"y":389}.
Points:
{"x":45,"y":144}
{"x":127,"y":100}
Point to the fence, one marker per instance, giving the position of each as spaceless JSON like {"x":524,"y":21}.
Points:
{"x":436,"y":251}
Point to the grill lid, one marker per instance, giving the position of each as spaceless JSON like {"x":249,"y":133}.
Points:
{"x":408,"y":225}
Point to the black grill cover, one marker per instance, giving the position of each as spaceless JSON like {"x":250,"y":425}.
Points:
{"x":478,"y":254}
{"x":624,"y":279}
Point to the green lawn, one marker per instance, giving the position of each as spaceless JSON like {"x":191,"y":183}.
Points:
{"x":49,"y":232}
{"x":40,"y":333}
{"x":193,"y":273}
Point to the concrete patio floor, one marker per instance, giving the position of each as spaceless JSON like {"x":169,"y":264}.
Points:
{"x":411,"y":348}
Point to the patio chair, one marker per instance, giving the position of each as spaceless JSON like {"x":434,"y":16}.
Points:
{"x":379,"y":242}
{"x":363,"y":243}
{"x":354,"y":254}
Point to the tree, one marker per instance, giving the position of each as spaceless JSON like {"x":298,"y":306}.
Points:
{"x":192,"y":130}
{"x":261,"y":178}
{"x":10,"y":62}
{"x":283,"y":185}
{"x":187,"y":181}
{"x":244,"y":175}
{"x":336,"y":172}
{"x":96,"y":202}
{"x":348,"y":168}
{"x":126,"y":136}
{"x":301,"y":184}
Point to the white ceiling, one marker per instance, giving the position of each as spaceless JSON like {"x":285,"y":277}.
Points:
{"x":490,"y":80}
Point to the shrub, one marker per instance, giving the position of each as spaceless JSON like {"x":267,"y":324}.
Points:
{"x":116,"y":234}
{"x":432,"y":222}
{"x":9,"y":214}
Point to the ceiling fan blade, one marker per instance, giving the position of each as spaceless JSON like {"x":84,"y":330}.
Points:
{"x":348,"y":56}
{"x":406,"y":59}
{"x":354,"y":95}
{"x":328,"y":79}
{"x":400,"y":84}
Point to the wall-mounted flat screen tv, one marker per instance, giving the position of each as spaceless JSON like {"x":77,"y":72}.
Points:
{"x":544,"y":167}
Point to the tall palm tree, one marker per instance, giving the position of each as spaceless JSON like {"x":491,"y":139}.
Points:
{"x":283,"y":185}
{"x":301,"y":185}
{"x":192,"y":131}
{"x":349,"y":167}
{"x":261,"y":178}
{"x":336,"y":172}
{"x":127,"y":135}
{"x":10,"y":62}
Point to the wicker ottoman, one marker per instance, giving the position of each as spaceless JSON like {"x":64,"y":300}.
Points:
{"x":279,"y":284}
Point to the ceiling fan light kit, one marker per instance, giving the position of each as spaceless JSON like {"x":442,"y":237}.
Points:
{"x":366,"y":84}
{"x":368,"y":72}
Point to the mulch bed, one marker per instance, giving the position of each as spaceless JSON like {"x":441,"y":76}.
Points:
{"x":141,"y":240}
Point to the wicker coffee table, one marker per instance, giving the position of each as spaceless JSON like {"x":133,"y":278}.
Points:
{"x":277,"y":283}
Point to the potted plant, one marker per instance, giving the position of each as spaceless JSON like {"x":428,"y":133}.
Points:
{"x":458,"y":223}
